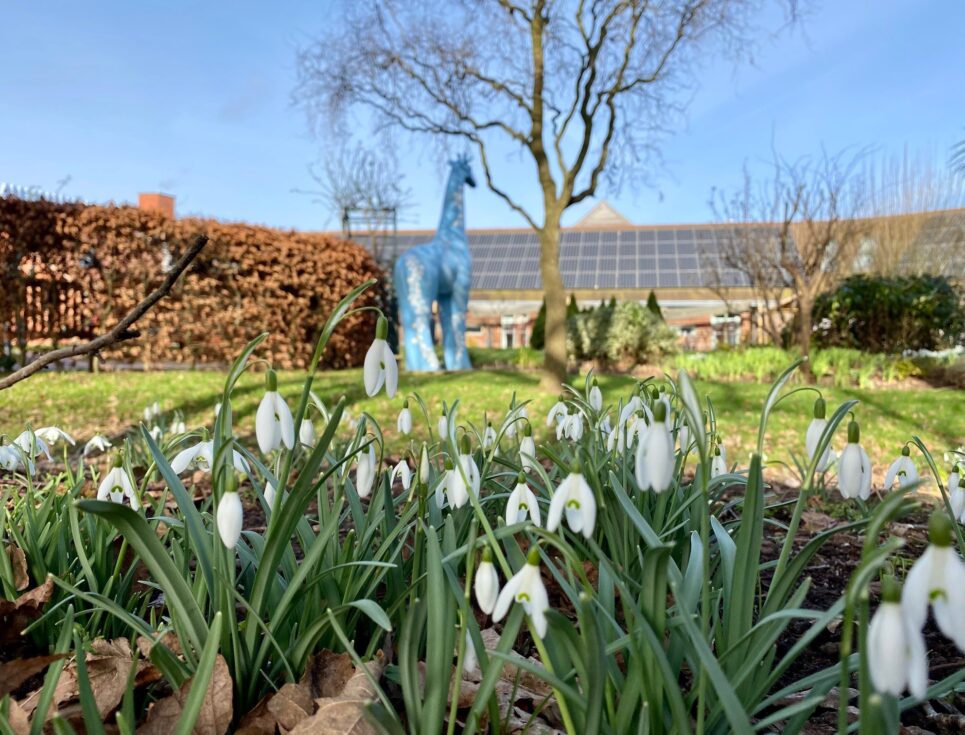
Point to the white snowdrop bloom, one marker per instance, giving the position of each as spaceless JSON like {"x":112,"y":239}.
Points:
{"x":486,"y":583}
{"x":443,"y":426}
{"x":655,"y":454}
{"x":404,"y":422}
{"x":605,"y":427}
{"x":152,"y":412}
{"x":306,"y":433}
{"x":31,"y":444}
{"x":718,"y":465}
{"x":596,"y":397}
{"x":489,"y":436}
{"x":53,"y":434}
{"x":230,"y":516}
{"x":561,"y":425}
{"x":938,"y":578}
{"x":683,"y":438}
{"x":469,"y":466}
{"x":813,"y":436}
{"x":97,"y":443}
{"x":517,"y":415}
{"x":612,"y":437}
{"x":424,"y":464}
{"x":365,"y":472}
{"x":667,"y":414}
{"x":274,"y":424}
{"x":470,"y":660}
{"x":854,"y":469}
{"x":201,"y":456}
{"x":896,"y":650}
{"x":633,"y":405}
{"x":455,"y":487}
{"x":956,"y":494}
{"x":270,"y":493}
{"x":156,"y":433}
{"x":574,"y":497}
{"x":178,"y":427}
{"x":116,"y":485}
{"x":572,"y":426}
{"x":525,"y":588}
{"x":217,"y":409}
{"x":903,"y":469}
{"x":527,"y":450}
{"x":13,"y":458}
{"x":380,"y":367}
{"x":402,"y":471}
{"x":558,"y":410}
{"x":522,"y":502}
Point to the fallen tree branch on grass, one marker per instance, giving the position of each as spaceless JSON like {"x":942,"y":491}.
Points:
{"x":121,"y":331}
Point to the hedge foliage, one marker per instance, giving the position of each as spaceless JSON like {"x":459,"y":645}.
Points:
{"x":623,"y":334}
{"x":73,"y":270}
{"x":891,"y":315}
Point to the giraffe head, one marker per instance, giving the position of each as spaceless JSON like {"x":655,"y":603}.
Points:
{"x":461,"y":171}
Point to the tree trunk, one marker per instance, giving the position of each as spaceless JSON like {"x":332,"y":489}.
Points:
{"x":554,"y":356}
{"x":804,"y":335}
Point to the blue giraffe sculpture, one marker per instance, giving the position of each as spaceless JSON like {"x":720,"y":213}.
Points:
{"x":439,"y":270}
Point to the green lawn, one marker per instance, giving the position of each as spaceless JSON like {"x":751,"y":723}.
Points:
{"x":111,"y":402}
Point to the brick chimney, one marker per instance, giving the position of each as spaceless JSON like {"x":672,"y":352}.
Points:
{"x":155,"y":202}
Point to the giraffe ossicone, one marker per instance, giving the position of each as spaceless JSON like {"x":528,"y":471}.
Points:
{"x":439,"y":271}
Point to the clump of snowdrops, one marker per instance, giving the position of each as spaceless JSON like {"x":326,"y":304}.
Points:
{"x":625,"y":553}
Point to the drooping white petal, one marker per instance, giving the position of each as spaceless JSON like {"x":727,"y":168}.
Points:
{"x":391,"y":368}
{"x":527,"y":453}
{"x":306,"y":433}
{"x":865,"y":490}
{"x":373,"y":374}
{"x":917,"y":589}
{"x":507,"y":595}
{"x":286,"y":423}
{"x":184,"y":458}
{"x":596,"y":398}
{"x":267,"y":430}
{"x":486,"y":586}
{"x":558,"y":505}
{"x":404,"y":423}
{"x":230,"y":519}
{"x":587,"y":506}
{"x":850,"y":479}
{"x":365,"y":473}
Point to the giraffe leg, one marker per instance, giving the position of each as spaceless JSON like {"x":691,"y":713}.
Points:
{"x":415,"y":307}
{"x":454,"y":319}
{"x":449,"y":336}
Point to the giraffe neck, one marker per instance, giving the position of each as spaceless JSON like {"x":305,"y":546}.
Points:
{"x":452,"y":223}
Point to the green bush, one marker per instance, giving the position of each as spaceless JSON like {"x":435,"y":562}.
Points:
{"x":626,"y":334}
{"x":537,"y":340}
{"x":890,"y":315}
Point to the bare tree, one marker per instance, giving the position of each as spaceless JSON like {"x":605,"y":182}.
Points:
{"x":794,"y":235}
{"x":903,"y":193}
{"x":578,"y":88}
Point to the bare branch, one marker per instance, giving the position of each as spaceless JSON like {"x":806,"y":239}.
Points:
{"x":121,"y":331}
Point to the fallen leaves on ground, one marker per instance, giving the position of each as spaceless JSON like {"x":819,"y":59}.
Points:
{"x":16,"y":672}
{"x":216,"y":709}
{"x":15,"y":615}
{"x":18,"y":562}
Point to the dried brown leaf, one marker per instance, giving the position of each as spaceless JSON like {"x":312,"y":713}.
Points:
{"x":17,"y":719}
{"x":16,"y":672}
{"x":18,"y":560}
{"x":17,"y":614}
{"x":326,"y":673}
{"x":215,"y":715}
{"x":290,"y":705}
{"x":345,"y":714}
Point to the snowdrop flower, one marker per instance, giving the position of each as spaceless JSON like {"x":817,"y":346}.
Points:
{"x":486,"y":583}
{"x":270,"y":493}
{"x":573,"y":426}
{"x":527,"y":449}
{"x":178,"y":427}
{"x":402,"y":471}
{"x":450,"y":485}
{"x":116,"y":485}
{"x":156,"y":433}
{"x":97,"y":443}
{"x":813,"y":436}
{"x":31,"y":444}
{"x":684,"y":438}
{"x":463,"y":479}
{"x":663,"y":398}
{"x":854,"y":469}
{"x":633,"y":405}
{"x":12,"y":459}
{"x":230,"y":515}
{"x":938,"y":577}
{"x":561,"y":424}
{"x":443,"y":425}
{"x":470,"y":659}
{"x":521,"y":502}
{"x":306,"y":433}
{"x":424,"y":464}
{"x":718,"y":465}
{"x":956,"y":494}
{"x":489,"y":436}
{"x":53,"y":434}
{"x":274,"y":424}
{"x":596,"y":397}
{"x":903,"y":469}
{"x":558,"y":410}
{"x":526,"y":588}
{"x":201,"y":456}
{"x":896,"y":650}
{"x":655,"y":453}
{"x":404,"y":423}
{"x":575,"y":497}
{"x":365,"y":473}
{"x":152,"y":412}
{"x":380,"y":367}
{"x":515,"y":416}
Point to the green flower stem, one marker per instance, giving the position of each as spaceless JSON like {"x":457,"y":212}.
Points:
{"x":560,"y":699}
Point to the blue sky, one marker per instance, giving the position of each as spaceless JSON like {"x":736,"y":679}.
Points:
{"x":194,"y":99}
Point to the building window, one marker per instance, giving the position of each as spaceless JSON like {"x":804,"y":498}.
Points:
{"x":726,"y":330}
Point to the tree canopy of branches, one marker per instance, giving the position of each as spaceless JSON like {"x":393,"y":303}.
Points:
{"x":795,"y":234}
{"x":576,"y":88}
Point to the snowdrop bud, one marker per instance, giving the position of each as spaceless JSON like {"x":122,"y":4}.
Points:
{"x":956,"y":494}
{"x":527,"y":449}
{"x":424,"y":464}
{"x":306,"y":433}
{"x":469,"y":660}
{"x":486,"y":583}
{"x":489,"y":436}
{"x":854,"y":468}
{"x":718,"y":465}
{"x":380,"y":367}
{"x":813,"y":436}
{"x":270,"y":494}
{"x":896,"y":650}
{"x":365,"y":472}
{"x":230,"y":514}
{"x":443,"y":425}
{"x":596,"y":397}
{"x":655,"y":453}
{"x":404,"y":424}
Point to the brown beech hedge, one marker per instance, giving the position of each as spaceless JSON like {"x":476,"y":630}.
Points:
{"x":73,"y":270}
